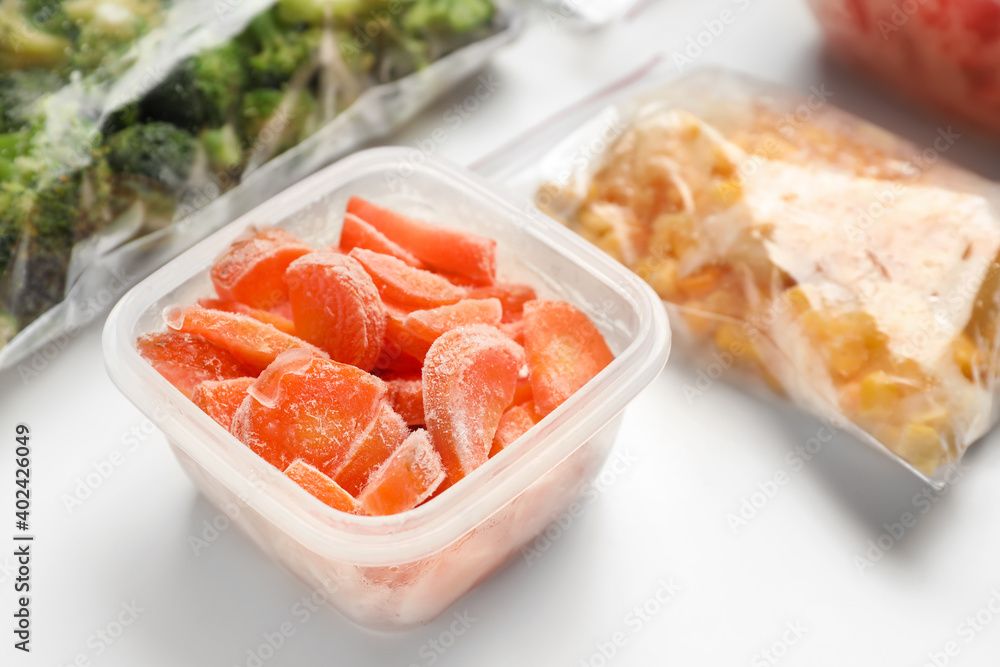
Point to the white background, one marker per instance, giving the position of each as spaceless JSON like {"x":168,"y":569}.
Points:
{"x":664,"y":518}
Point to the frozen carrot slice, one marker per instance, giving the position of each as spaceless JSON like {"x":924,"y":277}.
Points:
{"x":357,"y":233}
{"x":393,"y":360}
{"x":219,"y":399}
{"x":522,"y":392}
{"x":337,"y":307}
{"x":321,"y":486}
{"x":513,"y":296}
{"x":443,"y":249}
{"x":252,"y":270}
{"x":402,"y":285}
{"x":399,"y":339}
{"x":406,"y":479}
{"x":406,"y":396}
{"x":469,"y":378}
{"x":431,"y":323}
{"x":187,"y":360}
{"x":386,"y":434}
{"x":514,"y":423}
{"x":251,"y":341}
{"x":303,"y":406}
{"x":514,"y":330}
{"x":279,"y":322}
{"x":565,"y":350}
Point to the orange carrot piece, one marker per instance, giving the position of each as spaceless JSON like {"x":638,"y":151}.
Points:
{"x":469,"y":378}
{"x":253,"y":342}
{"x":402,"y":285}
{"x":303,"y":406}
{"x":406,"y":395}
{"x":279,"y":322}
{"x":514,"y":423}
{"x":321,"y":486}
{"x":385,"y":436}
{"x":357,"y":233}
{"x":220,"y":399}
{"x":186,"y":360}
{"x":252,"y":270}
{"x":565,"y":350}
{"x":337,"y":307}
{"x":446,"y":250}
{"x":406,"y":479}
{"x":431,"y":323}
{"x":513,"y":296}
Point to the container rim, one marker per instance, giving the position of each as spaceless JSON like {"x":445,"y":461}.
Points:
{"x":436,"y":524}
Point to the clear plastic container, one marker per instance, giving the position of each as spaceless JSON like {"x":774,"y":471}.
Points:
{"x":399,"y":571}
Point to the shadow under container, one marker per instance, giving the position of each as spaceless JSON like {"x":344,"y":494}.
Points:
{"x":400,"y":571}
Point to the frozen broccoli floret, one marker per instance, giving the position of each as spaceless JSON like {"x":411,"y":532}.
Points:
{"x":19,"y":92}
{"x":272,"y":128}
{"x":158,"y":152}
{"x":222,"y":146}
{"x":203,"y":91}
{"x":276,"y":51}
{"x":314,"y":12}
{"x":447,"y":17}
{"x":22,"y":45}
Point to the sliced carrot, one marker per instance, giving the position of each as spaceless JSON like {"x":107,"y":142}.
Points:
{"x":303,"y":406}
{"x":252,"y":270}
{"x":279,"y":322}
{"x":251,"y":341}
{"x":514,"y":330}
{"x":402,"y":285}
{"x":406,"y":479}
{"x":321,"y":486}
{"x":443,"y":249}
{"x":383,"y":438}
{"x":399,"y":339}
{"x":406,"y":395}
{"x":337,"y":307}
{"x":513,"y":296}
{"x":522,"y":392}
{"x":186,"y":360}
{"x":469,"y":378}
{"x":565,"y":350}
{"x":514,"y":423}
{"x":431,"y":323}
{"x":220,"y":399}
{"x":357,"y":233}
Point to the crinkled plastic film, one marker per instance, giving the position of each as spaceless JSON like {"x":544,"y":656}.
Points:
{"x":848,"y":270}
{"x":49,"y":291}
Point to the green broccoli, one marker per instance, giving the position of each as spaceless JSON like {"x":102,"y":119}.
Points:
{"x":273,"y":130}
{"x":23,"y":46}
{"x":157,"y":152}
{"x":314,"y":12}
{"x":20,"y":90}
{"x":275,"y":52}
{"x":202,"y":91}
{"x":447,"y":18}
{"x":222,"y":146}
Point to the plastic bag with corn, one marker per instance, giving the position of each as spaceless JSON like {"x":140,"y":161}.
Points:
{"x":851,"y":271}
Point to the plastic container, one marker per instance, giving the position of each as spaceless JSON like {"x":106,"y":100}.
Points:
{"x":945,"y":54}
{"x":400,"y":571}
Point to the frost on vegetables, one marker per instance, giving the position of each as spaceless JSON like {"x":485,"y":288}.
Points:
{"x":401,"y":363}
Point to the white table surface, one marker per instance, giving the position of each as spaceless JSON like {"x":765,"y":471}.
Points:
{"x":664,"y":519}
